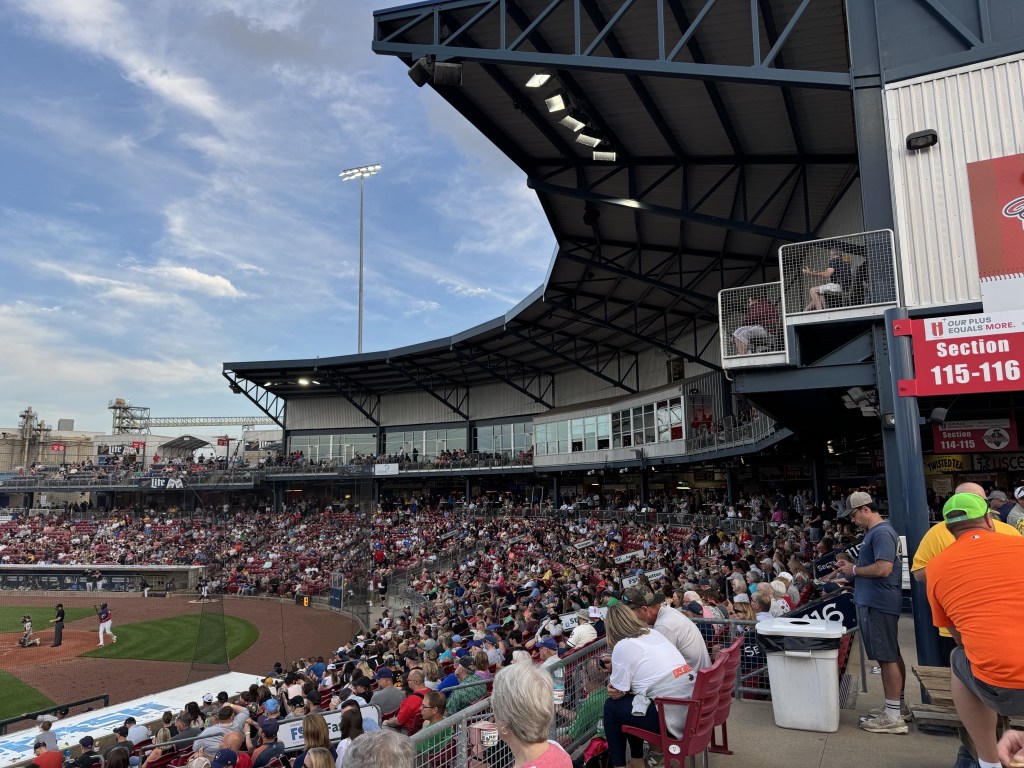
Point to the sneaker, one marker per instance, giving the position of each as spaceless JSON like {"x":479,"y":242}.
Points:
{"x":114,"y":638}
{"x":654,"y":759}
{"x":905,"y":712}
{"x":885,"y":724}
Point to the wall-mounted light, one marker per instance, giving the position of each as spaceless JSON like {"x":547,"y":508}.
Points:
{"x":889,"y":420}
{"x":922,"y":140}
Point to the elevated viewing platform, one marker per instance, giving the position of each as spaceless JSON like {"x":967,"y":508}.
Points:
{"x":835,"y":279}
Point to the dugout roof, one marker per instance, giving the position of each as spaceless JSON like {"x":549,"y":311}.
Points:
{"x":733,"y":131}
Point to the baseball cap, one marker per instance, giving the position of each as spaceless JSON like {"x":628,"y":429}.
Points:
{"x":223,"y":758}
{"x":208,"y":698}
{"x":269,"y":727}
{"x":383,"y":672}
{"x":694,"y":607}
{"x":222,"y":696}
{"x":122,"y":731}
{"x":964,"y":506}
{"x":996,"y":496}
{"x":548,"y":643}
{"x":271,"y":705}
{"x":331,"y":667}
{"x":456,"y":638}
{"x":785,"y":575}
{"x":39,"y":744}
{"x":857,"y":499}
{"x":1019,"y":493}
{"x":740,"y":598}
{"x":583,"y":613}
{"x":468,"y":663}
{"x":362,"y":682}
{"x":637,"y":597}
{"x":490,"y":639}
{"x":86,"y":742}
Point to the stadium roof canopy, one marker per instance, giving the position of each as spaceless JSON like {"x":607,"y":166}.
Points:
{"x":185,"y":445}
{"x":732,"y":128}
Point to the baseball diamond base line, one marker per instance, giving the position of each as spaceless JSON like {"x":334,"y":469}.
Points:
{"x":286,"y":632}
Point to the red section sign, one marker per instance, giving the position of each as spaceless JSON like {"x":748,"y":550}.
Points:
{"x":58,"y":447}
{"x":976,"y":436}
{"x":964,"y":353}
{"x":138,"y":445}
{"x":222,"y":441}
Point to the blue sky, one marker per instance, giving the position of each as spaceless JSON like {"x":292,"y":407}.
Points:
{"x":169,"y":201}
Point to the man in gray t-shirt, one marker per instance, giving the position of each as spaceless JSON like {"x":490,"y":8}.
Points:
{"x":230,"y":717}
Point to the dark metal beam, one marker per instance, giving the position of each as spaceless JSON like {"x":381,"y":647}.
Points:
{"x":265,"y":400}
{"x":835,"y":81}
{"x":672,"y":213}
{"x":575,"y":361}
{"x":452,"y":390}
{"x":475,"y":360}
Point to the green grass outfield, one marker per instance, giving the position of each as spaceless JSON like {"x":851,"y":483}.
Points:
{"x":207,"y":638}
{"x":10,"y":617}
{"x":18,"y":697}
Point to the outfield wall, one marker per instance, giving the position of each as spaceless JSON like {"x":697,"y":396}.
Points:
{"x":114,"y":578}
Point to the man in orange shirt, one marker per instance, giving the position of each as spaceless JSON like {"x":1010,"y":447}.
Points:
{"x":988,"y":678}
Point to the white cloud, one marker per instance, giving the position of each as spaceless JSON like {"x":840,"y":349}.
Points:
{"x":190,"y":278}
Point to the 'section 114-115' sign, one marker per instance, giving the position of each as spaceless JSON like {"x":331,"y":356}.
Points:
{"x":964,"y":353}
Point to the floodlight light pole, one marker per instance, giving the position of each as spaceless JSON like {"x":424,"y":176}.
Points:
{"x":351,"y":174}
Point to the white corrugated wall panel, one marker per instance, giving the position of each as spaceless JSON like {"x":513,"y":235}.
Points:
{"x":402,"y":408}
{"x":978,"y":113}
{"x":323,"y":413}
{"x":499,"y":401}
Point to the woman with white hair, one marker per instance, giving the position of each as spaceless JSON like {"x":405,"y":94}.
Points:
{"x":645,"y":665}
{"x":523,"y":701}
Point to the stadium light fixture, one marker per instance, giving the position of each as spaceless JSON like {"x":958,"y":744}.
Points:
{"x":605,"y":153}
{"x":538,"y":79}
{"x":574,"y":121}
{"x":304,"y":382}
{"x":421,"y":71}
{"x":557,"y":101}
{"x":361,"y":172}
{"x":588,"y":137}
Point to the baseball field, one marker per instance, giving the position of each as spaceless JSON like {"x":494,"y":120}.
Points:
{"x":161,"y":643}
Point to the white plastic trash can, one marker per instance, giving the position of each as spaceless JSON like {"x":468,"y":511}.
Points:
{"x":803,"y":670}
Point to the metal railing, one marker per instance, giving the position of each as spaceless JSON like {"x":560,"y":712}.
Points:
{"x":844,"y":272}
{"x":104,"y":697}
{"x":750,"y":318}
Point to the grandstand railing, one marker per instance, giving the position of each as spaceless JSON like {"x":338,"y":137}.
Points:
{"x":104,"y":697}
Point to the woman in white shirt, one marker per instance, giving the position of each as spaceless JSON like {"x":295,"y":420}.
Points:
{"x":644,"y":665}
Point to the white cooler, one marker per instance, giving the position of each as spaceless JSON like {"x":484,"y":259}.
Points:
{"x":803,"y":670}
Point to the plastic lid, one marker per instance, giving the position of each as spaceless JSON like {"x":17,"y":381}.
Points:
{"x":801,"y":627}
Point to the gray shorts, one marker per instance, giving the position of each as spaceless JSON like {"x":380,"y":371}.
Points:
{"x":878,"y":632}
{"x":1005,"y":701}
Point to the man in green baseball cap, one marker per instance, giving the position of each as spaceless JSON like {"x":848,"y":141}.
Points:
{"x":987,"y":679}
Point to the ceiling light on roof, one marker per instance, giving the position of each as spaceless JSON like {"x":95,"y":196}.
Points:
{"x":605,"y":153}
{"x":537,"y":79}
{"x":556,"y":101}
{"x":574,"y":121}
{"x":316,"y":382}
{"x":268,"y":384}
{"x":304,"y":382}
{"x":589,"y":138}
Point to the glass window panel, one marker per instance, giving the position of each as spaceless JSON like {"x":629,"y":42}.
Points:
{"x":602,"y":443}
{"x":603,"y":426}
{"x":591,"y":442}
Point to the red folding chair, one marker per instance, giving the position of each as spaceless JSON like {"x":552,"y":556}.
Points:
{"x":699,"y":724}
{"x":733,"y":656}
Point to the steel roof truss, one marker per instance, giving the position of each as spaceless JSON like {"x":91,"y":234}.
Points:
{"x":615,"y":269}
{"x":448,"y":393}
{"x":473,"y":20}
{"x":262,"y":398}
{"x":483,"y":359}
{"x":672,"y":213}
{"x":597,"y":369}
{"x":664,"y":345}
{"x":367,"y":403}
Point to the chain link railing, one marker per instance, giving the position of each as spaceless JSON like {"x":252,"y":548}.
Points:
{"x":751,"y":320}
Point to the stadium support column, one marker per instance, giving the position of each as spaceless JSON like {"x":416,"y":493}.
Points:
{"x":278,"y":497}
{"x":904,"y":471}
{"x":901,"y":443}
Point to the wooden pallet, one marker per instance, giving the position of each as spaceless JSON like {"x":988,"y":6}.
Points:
{"x":941,"y":711}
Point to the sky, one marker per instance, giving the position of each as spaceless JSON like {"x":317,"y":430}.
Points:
{"x":170,"y":201}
